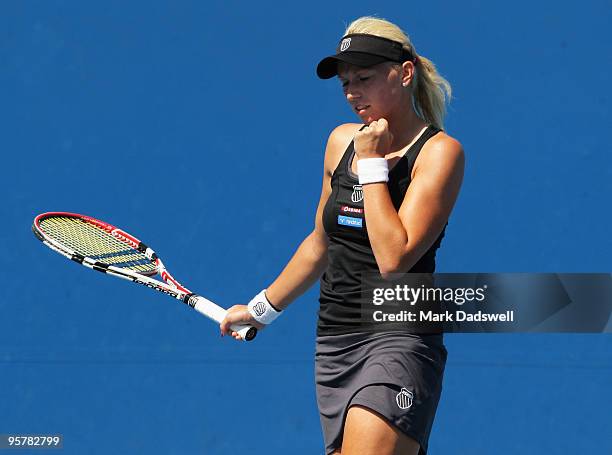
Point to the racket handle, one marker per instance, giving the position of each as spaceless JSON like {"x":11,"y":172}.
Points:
{"x":216,"y":313}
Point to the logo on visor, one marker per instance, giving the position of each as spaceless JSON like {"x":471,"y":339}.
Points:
{"x":344,"y":45}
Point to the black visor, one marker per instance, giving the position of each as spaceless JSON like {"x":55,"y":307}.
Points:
{"x":363,"y":50}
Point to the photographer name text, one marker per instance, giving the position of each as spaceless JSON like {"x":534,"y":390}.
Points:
{"x":447,"y":316}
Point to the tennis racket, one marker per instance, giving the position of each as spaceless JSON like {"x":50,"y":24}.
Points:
{"x":110,"y":250}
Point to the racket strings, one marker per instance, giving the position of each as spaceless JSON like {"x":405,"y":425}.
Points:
{"x":92,"y":241}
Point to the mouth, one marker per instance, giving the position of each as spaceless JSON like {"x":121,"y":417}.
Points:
{"x":361,"y":108}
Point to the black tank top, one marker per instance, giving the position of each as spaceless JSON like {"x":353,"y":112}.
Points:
{"x":349,"y":251}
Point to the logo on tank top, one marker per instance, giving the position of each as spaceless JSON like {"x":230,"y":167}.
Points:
{"x":357,"y":195}
{"x":404,"y":398}
{"x":350,"y":221}
{"x":344,"y":45}
{"x":349,"y":209}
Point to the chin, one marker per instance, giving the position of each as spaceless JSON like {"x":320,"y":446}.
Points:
{"x":368,"y":118}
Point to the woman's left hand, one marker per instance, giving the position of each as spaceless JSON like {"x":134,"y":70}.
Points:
{"x":374,"y":140}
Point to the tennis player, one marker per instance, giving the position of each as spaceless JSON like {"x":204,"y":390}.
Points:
{"x":389,"y":185}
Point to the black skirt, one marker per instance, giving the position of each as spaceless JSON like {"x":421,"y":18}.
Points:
{"x":396,"y":374}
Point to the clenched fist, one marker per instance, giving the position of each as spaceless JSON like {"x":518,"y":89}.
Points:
{"x":374,"y":140}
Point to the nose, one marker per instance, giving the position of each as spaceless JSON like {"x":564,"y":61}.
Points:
{"x":351,"y":95}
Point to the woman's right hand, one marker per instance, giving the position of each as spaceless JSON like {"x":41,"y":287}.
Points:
{"x":238,"y":314}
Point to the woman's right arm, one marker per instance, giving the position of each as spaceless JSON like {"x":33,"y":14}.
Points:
{"x":309,"y":261}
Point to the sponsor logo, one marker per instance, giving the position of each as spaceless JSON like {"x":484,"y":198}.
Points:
{"x":192,"y":301}
{"x":157,"y":287}
{"x":344,"y":45}
{"x":259,"y":308}
{"x":357,"y":195}
{"x":404,"y":398}
{"x":350,"y":221}
{"x":349,"y":209}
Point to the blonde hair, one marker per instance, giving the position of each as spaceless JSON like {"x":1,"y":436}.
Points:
{"x":430,"y":91}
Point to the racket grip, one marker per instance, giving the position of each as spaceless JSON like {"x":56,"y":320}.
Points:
{"x":213,"y":311}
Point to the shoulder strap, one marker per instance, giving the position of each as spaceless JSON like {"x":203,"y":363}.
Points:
{"x":413,"y":152}
{"x":347,"y":157}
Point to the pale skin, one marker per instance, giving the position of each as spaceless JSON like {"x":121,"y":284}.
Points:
{"x":381,"y":97}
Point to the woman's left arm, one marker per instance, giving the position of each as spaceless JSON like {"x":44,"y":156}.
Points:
{"x":400,"y":239}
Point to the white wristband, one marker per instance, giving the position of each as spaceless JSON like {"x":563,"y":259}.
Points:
{"x":261,"y":309}
{"x":372,"y":170}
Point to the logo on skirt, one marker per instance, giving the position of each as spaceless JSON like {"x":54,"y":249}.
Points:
{"x":404,"y":398}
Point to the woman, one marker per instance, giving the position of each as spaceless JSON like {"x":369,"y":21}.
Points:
{"x":398,"y":174}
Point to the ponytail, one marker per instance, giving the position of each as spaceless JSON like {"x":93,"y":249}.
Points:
{"x":430,"y":93}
